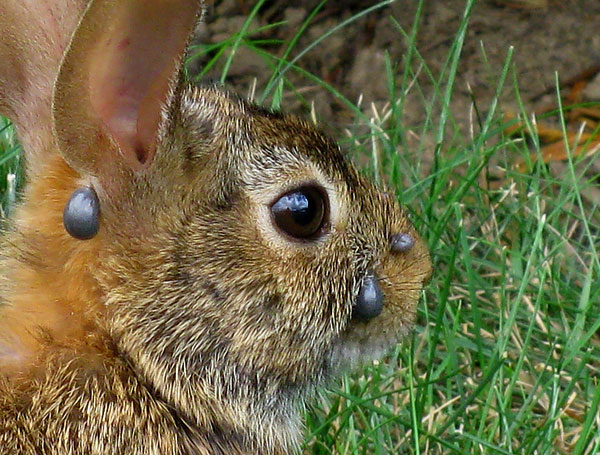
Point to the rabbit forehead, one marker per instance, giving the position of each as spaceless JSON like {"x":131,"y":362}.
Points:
{"x":266,"y":182}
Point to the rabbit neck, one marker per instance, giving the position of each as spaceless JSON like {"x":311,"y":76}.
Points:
{"x":99,"y":398}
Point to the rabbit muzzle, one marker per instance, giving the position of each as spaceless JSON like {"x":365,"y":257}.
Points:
{"x":370,"y":299}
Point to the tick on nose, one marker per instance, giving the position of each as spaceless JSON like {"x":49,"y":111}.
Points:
{"x":369,"y":302}
{"x":401,"y":243}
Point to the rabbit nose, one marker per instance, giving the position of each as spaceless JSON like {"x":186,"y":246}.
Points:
{"x":369,"y":302}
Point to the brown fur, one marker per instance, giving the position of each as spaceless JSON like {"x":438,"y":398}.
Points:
{"x":189,"y":325}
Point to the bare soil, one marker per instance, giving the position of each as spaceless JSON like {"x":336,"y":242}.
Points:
{"x":562,"y":38}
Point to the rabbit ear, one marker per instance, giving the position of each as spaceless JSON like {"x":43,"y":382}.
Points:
{"x":32,"y":43}
{"x":116,"y":79}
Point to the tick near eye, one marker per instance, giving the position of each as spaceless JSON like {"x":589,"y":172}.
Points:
{"x":301,"y":213}
{"x":402,"y":243}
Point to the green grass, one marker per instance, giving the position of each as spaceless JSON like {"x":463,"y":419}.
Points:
{"x":506,"y":355}
{"x":10,"y":175}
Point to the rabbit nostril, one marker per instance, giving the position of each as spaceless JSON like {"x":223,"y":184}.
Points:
{"x":401,"y":243}
{"x":369,"y":302}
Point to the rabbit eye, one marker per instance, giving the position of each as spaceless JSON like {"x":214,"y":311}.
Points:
{"x":301,"y":212}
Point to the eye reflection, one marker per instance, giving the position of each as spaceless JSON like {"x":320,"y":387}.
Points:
{"x":300,"y":213}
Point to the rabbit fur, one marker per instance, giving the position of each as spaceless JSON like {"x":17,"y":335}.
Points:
{"x":190,"y":324}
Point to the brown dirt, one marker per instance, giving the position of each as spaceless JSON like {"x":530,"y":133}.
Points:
{"x":561,"y":38}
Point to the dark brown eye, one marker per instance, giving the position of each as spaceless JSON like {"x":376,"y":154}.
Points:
{"x":301,"y":212}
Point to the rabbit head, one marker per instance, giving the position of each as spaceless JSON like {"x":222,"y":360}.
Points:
{"x":241,"y":258}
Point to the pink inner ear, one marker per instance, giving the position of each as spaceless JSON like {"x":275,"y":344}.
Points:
{"x":132,"y":68}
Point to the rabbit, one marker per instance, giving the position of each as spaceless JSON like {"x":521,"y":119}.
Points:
{"x":185,"y":268}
